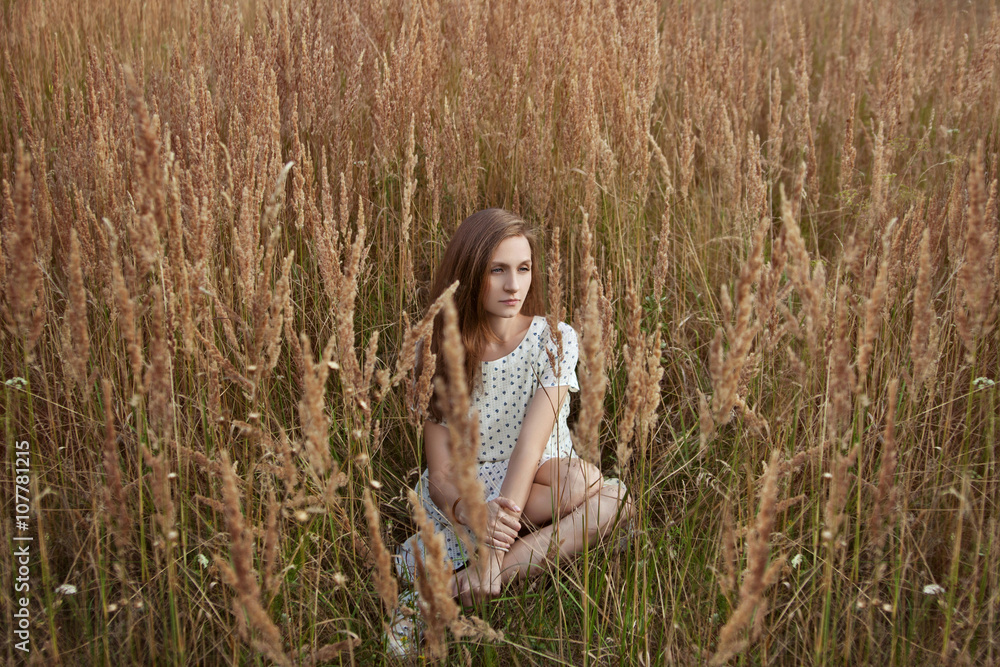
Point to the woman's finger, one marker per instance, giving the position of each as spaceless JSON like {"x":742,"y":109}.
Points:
{"x":510,"y":521}
{"x":504,"y":532}
{"x":505,"y":519}
{"x":508,"y":504}
{"x":500,"y":542}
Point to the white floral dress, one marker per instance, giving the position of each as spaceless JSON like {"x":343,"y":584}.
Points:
{"x":508,"y":385}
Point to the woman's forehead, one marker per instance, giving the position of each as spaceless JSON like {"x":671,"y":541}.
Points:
{"x":512,"y":250}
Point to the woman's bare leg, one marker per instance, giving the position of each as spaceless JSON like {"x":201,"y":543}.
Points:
{"x":588,"y":522}
{"x":573,"y":491}
{"x":560,"y":486}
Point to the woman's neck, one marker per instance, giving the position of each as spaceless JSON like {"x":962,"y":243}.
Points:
{"x":509,"y":329}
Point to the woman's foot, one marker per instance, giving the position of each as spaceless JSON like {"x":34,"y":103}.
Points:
{"x":405,"y":632}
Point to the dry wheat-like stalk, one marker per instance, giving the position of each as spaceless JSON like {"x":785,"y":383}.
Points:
{"x":556,"y":309}
{"x":634,"y":366}
{"x":706,"y":424}
{"x":127,"y":325}
{"x":774,"y":130}
{"x":114,"y":491}
{"x":163,"y":500}
{"x":874,"y":306}
{"x":433,"y":582}
{"x":77,"y":316}
{"x":687,"y":150}
{"x":729,"y":553}
{"x":385,"y":581}
{"x":463,"y":426}
{"x":881,"y":158}
{"x":22,"y":105}
{"x":150,"y":218}
{"x":841,"y":371}
{"x":993,"y":225}
{"x":755,"y":199}
{"x":352,"y":375}
{"x":758,"y":575}
{"x":642,"y":361}
{"x":271,"y":334}
{"x":593,"y":380}
{"x":421,"y":390}
{"x":662,"y":266}
{"x":848,"y":153}
{"x":6,"y":221}
{"x":974,"y":283}
{"x":921,"y":354}
{"x":726,"y":370}
{"x":885,"y":493}
{"x":179,"y":278}
{"x":315,"y":423}
{"x":651,"y":388}
{"x":272,"y":542}
{"x":421,"y":331}
{"x":955,"y":218}
{"x":839,"y":482}
{"x":326,"y":235}
{"x":409,"y":187}
{"x":241,"y":574}
{"x":24,"y":280}
{"x":809,"y":283}
{"x":159,"y":374}
{"x":330,"y":652}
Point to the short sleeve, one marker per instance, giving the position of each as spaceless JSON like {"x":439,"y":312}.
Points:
{"x":563,"y":372}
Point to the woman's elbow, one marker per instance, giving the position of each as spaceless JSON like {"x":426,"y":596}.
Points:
{"x":437,"y":482}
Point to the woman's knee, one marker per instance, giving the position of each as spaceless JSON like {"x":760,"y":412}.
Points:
{"x":582,"y":480}
{"x":625,"y":507}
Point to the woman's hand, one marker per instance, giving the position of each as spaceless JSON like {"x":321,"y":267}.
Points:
{"x":502,"y":521}
{"x":502,"y":524}
{"x":480,"y":580}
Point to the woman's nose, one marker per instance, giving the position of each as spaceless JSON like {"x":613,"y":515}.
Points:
{"x":511,"y":283}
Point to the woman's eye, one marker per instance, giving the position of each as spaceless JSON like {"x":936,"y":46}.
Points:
{"x":497,"y":269}
{"x":525,"y":268}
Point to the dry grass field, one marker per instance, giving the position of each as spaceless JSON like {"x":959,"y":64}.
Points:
{"x":775,"y":223}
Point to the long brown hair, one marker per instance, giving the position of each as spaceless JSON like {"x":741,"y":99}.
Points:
{"x":467,"y":259}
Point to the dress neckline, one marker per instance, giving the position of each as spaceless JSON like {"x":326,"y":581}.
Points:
{"x":524,"y":338}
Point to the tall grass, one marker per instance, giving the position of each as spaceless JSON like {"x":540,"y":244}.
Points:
{"x":219,"y":221}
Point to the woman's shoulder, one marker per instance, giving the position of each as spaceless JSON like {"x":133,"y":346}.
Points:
{"x":567,"y":334}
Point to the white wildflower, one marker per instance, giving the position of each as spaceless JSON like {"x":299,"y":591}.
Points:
{"x":933,"y":589}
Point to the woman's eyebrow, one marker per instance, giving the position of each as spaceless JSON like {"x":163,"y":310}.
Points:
{"x":524,"y":261}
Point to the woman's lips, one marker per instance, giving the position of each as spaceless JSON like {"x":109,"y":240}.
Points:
{"x":511,"y":302}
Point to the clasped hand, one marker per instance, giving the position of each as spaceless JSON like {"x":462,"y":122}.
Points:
{"x":481,"y":579}
{"x":502,"y":524}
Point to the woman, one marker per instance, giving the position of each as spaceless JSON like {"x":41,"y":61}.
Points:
{"x":536,"y":487}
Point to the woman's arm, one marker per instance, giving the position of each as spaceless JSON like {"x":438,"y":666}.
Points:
{"x":439,"y":467}
{"x":503,"y":526}
{"x":539,"y":419}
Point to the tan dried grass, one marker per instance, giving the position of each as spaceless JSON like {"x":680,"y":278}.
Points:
{"x":759,"y":572}
{"x":241,"y":574}
{"x":463,"y":428}
{"x":385,"y":581}
{"x":593,"y":381}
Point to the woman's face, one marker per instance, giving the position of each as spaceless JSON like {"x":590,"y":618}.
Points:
{"x":508,"y":277}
